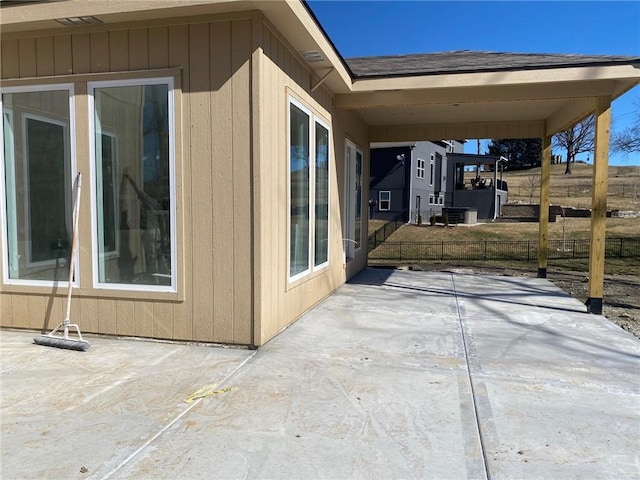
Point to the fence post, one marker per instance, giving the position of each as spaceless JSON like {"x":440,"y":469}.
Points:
{"x":485,"y":250}
{"x":528,"y":251}
{"x":442,"y":251}
{"x":620,"y":252}
{"x":574,"y":249}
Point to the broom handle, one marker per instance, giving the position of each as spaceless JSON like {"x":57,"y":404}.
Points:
{"x":72,"y":262}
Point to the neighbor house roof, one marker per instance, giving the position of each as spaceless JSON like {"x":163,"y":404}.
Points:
{"x":466,"y":61}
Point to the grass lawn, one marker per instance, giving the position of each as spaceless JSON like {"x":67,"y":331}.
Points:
{"x":574,"y":228}
{"x":575,"y":189}
{"x":375,"y":225}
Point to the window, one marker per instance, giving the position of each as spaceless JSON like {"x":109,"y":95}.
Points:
{"x":420,"y":172}
{"x":322,"y":196}
{"x":450,"y":145}
{"x":38,"y":172}
{"x":308,"y":191}
{"x":358,"y":203}
{"x":384,"y":201}
{"x":440,"y":199}
{"x":133,"y":172}
{"x":431,"y":170}
{"x":431,"y":202}
{"x":353,"y":199}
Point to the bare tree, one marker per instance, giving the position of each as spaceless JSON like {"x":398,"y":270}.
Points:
{"x":628,"y":140}
{"x":532,"y":185}
{"x":578,"y":139}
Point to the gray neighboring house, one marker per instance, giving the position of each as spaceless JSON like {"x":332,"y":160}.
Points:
{"x":413,"y":181}
{"x":475,"y":187}
{"x":408,"y":180}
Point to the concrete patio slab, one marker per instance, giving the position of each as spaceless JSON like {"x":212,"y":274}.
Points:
{"x":398,"y":374}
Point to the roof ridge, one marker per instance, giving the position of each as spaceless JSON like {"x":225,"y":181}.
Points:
{"x":490,"y":52}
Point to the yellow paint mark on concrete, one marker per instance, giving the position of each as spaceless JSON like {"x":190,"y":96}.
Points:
{"x":207,"y":391}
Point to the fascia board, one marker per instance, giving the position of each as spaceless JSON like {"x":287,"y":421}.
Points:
{"x":294,"y":22}
{"x":479,"y":79}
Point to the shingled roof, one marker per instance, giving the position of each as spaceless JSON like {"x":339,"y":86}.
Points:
{"x":466,"y":61}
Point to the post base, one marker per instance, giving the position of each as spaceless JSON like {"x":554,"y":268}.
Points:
{"x":542,"y":273}
{"x":594,"y":305}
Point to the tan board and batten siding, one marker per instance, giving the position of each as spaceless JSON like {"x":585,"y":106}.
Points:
{"x":235,"y":74}
{"x":282,"y":74}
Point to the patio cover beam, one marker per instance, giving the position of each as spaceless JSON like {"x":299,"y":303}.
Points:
{"x":409,"y":133}
{"x":475,"y":94}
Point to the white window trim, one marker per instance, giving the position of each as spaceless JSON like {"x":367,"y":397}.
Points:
{"x":4,"y":193}
{"x":73,"y":173}
{"x":359,"y":242}
{"x":380,"y":200}
{"x":432,"y":170}
{"x":91,"y":86}
{"x":323,"y":265}
{"x":313,"y":119}
{"x":420,"y":170}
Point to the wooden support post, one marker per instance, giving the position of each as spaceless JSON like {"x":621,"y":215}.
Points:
{"x":599,"y":204}
{"x":543,"y":222}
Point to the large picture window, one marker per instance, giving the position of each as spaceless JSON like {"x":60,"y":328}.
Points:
{"x":309,"y":162}
{"x":134,"y":229}
{"x":38,"y":173}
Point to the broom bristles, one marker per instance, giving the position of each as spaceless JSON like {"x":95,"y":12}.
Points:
{"x":61,"y":342}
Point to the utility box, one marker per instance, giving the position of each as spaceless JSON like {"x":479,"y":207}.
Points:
{"x":471,"y":216}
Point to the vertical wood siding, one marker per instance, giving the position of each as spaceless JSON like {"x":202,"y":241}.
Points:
{"x":214,"y":166}
{"x":281,"y":72}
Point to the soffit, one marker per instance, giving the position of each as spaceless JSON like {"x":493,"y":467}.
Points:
{"x":291,"y":19}
{"x":559,"y":96}
{"x":37,"y":15}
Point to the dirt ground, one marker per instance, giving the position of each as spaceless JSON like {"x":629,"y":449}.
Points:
{"x":621,"y":292}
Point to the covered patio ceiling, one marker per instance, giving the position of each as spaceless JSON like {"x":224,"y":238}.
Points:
{"x":506,"y":96}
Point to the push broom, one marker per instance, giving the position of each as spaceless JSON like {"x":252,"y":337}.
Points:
{"x":62,"y":339}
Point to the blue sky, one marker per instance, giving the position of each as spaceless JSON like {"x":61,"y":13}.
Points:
{"x":364,"y":28}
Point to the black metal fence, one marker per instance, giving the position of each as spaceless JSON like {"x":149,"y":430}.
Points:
{"x":519,"y":250}
{"x":380,"y":235}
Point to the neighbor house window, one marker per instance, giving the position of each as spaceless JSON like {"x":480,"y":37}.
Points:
{"x":38,"y":170}
{"x":432,"y":170}
{"x":384,"y":201}
{"x":420,"y":172}
{"x":308,"y":191}
{"x":431,"y":199}
{"x":134,"y":194}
